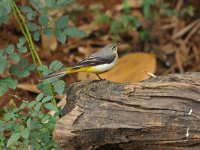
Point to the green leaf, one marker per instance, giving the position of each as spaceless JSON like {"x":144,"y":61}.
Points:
{"x":9,"y":125}
{"x":7,"y":83}
{"x":74,"y":32}
{"x":23,"y":62}
{"x":30,"y":12}
{"x":39,"y":97}
{"x":47,"y":31}
{"x":46,"y":99}
{"x":8,"y":116}
{"x":55,"y":65}
{"x":4,"y":19}
{"x":25,"y":133}
{"x":15,"y":57}
{"x":7,"y":5}
{"x":63,"y":2}
{"x":22,"y":69}
{"x":13,"y":138}
{"x":44,"y":88}
{"x":61,"y":22}
{"x":36,"y":35}
{"x":31,"y":104}
{"x":38,"y":106}
{"x":28,"y":123}
{"x":45,"y":70}
{"x":21,"y":42}
{"x":60,"y":36}
{"x":14,"y":69}
{"x":23,"y":105}
{"x":38,"y":4}
{"x":10,"y":49}
{"x":43,"y":20}
{"x":31,"y":15}
{"x":3,"y":65}
{"x":18,"y":127}
{"x":50,"y":106}
{"x":32,"y":26}
{"x":26,"y":9}
{"x":22,"y":49}
{"x":24,"y":73}
{"x":59,"y":86}
{"x":30,"y":67}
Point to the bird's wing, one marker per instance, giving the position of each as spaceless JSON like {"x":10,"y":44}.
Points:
{"x":95,"y":60}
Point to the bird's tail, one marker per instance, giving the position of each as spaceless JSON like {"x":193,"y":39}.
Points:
{"x":63,"y":73}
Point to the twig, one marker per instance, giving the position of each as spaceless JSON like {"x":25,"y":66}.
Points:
{"x":186,"y":29}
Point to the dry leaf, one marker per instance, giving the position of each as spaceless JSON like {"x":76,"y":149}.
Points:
{"x":130,"y":68}
{"x":49,"y":43}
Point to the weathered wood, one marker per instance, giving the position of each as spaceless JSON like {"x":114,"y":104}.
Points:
{"x":161,"y":113}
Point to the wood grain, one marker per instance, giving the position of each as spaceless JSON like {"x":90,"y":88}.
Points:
{"x":161,"y":113}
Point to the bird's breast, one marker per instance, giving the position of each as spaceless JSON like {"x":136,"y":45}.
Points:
{"x":104,"y":67}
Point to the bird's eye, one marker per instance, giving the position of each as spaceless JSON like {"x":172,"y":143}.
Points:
{"x":113,"y":47}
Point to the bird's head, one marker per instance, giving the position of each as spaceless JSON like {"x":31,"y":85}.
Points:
{"x":113,"y":47}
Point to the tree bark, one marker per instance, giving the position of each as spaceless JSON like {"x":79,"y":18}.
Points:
{"x":160,"y":113}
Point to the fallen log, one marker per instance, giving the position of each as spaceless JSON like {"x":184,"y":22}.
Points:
{"x":160,"y":113}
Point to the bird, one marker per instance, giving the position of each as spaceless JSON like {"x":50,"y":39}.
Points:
{"x":99,"y":62}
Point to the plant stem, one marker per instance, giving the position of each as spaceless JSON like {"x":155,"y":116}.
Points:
{"x":25,"y":31}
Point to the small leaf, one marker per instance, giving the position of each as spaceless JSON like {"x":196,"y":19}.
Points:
{"x":60,"y":36}
{"x":24,"y":73}
{"x":48,"y":31}
{"x":26,"y":9}
{"x":39,"y":97}
{"x":61,"y":22}
{"x":63,"y":2}
{"x":74,"y":32}
{"x":50,"y":106}
{"x":4,"y":19}
{"x":7,"y":83}
{"x":8,"y":116}
{"x":13,"y":138}
{"x":10,"y":49}
{"x":38,"y":106}
{"x":32,"y":26}
{"x":14,"y":69}
{"x":28,"y":123}
{"x":43,"y":20}
{"x":31,"y":15}
{"x":37,"y":35}
{"x":55,"y":65}
{"x":46,"y":99}
{"x":22,"y":49}
{"x":59,"y":86}
{"x":23,"y":62}
{"x":21,"y":42}
{"x":43,"y":87}
{"x":31,"y":104}
{"x":23,"y":105}
{"x":30,"y":67}
{"x":37,"y":3}
{"x":25,"y":133}
{"x":3,"y":65}
{"x":44,"y":69}
{"x":15,"y":57}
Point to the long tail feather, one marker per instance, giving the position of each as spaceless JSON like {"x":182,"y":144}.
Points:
{"x":53,"y":75}
{"x":67,"y":71}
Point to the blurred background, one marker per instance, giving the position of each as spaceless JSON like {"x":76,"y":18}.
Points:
{"x":156,"y":36}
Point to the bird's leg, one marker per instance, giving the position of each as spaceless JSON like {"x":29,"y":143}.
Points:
{"x":99,"y":77}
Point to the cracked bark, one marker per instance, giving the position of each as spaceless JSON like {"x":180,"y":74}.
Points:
{"x":161,"y":113}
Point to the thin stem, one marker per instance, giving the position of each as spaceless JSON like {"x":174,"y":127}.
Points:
{"x":22,"y":29}
{"x":36,"y":59}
